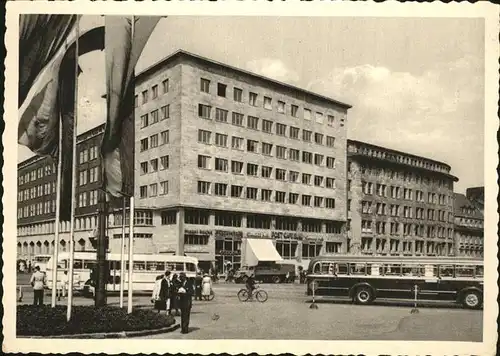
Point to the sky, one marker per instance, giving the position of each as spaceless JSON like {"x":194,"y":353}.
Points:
{"x":415,"y":84}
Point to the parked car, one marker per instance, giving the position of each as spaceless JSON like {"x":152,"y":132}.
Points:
{"x":267,"y":273}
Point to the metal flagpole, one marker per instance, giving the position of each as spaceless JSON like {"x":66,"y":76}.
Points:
{"x":55,"y":255}
{"x":73,"y":183}
{"x":122,"y":263}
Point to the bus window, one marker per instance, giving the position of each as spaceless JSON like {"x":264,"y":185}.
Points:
{"x":118,"y":265}
{"x":411,"y":270}
{"x":139,"y":265}
{"x":78,"y":264}
{"x":464,"y":271}
{"x":446,"y":271}
{"x":374,"y":269}
{"x":479,"y":271}
{"x":179,"y":266}
{"x":89,"y":264}
{"x":358,"y":269}
{"x":342,"y":268}
{"x":160,"y":266}
{"x":329,"y":268}
{"x":191,"y":267}
{"x":430,"y":271}
{"x":392,"y":270}
{"x":151,"y":266}
{"x":317,"y":268}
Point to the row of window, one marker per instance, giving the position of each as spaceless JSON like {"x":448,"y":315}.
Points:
{"x":35,"y":192}
{"x":470,"y":222}
{"x":405,"y":229}
{"x":151,"y":190}
{"x":154,"y":165}
{"x":381,"y":246}
{"x":155,"y":116}
{"x":155,"y":140}
{"x":89,"y":154}
{"x":396,"y":192}
{"x":87,"y":176}
{"x":42,"y":208}
{"x":237,"y":167}
{"x":165,"y":86}
{"x":368,"y":207}
{"x":267,"y":103}
{"x":38,"y":173}
{"x":88,"y":198}
{"x":252,"y":122}
{"x":281,"y":152}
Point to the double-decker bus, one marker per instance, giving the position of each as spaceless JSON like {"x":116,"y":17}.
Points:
{"x":41,"y":261}
{"x":146,"y":267}
{"x":365,"y":278}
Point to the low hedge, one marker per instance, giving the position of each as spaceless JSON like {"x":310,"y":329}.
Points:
{"x":47,"y":321}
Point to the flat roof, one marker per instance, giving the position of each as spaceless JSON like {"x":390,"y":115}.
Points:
{"x":182,"y":53}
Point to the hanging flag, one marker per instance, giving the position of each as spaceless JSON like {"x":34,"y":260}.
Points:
{"x":125,"y":38}
{"x":50,"y":102}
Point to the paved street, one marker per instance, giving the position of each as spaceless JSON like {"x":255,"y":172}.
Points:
{"x":286,"y":315}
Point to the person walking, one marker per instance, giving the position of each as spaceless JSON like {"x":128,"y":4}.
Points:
{"x":174,"y":298}
{"x":206,"y":286}
{"x":197,"y":286}
{"x":38,"y":284}
{"x":185,"y":292}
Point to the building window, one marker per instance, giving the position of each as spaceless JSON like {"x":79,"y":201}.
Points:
{"x":165,"y":112}
{"x":205,"y":85}
{"x":267,"y":126}
{"x":252,"y":99}
{"x":237,"y":143}
{"x":318,"y":138}
{"x":318,"y":181}
{"x":331,"y":120}
{"x":153,"y":189}
{"x":294,"y":132}
{"x":330,"y":162}
{"x":221,"y":89}
{"x":237,"y":94}
{"x":164,"y":162}
{"x":155,"y":91}
{"x":287,"y":249}
{"x":293,"y":198}
{"x":280,"y":174}
{"x":143,"y":191}
{"x":164,"y":187}
{"x":265,"y":194}
{"x":306,"y":178}
{"x":281,"y":129}
{"x":280,"y":197}
{"x":236,"y":167}
{"x":204,"y":111}
{"x":203,"y":162}
{"x":318,"y":159}
{"x":144,"y":168}
{"x":266,"y":171}
{"x":293,"y":176}
{"x":294,"y":110}
{"x":220,"y":115}
{"x":330,"y":203}
{"x":268,"y":103}
{"x":190,"y":239}
{"x":267,"y":148}
{"x":220,"y":189}
{"x":253,"y":122}
{"x":333,"y":247}
{"x":221,"y":140}
{"x":281,"y":152}
{"x":165,"y":137}
{"x":237,"y":119}
{"x":306,"y":135}
{"x":221,"y":165}
{"x":281,"y":107}
{"x":165,"y":86}
{"x":236,"y":191}
{"x":204,"y":136}
{"x":252,"y":193}
{"x":310,"y":249}
{"x":318,"y":202}
{"x":294,"y":154}
{"x":154,"y":165}
{"x":153,"y":141}
{"x":168,"y":217}
{"x":228,"y":219}
{"x":252,"y":145}
{"x":319,"y":117}
{"x":252,"y":169}
{"x":330,"y":183}
{"x":203,"y":187}
{"x":306,"y":200}
{"x":144,"y":96}
{"x":307,"y":157}
{"x":307,"y":114}
{"x":330,"y":141}
{"x":82,"y":180}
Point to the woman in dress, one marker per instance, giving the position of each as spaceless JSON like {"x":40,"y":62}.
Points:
{"x":206,"y":288}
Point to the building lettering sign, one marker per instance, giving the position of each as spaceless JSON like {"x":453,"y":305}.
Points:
{"x":286,"y":235}
{"x":229,"y":253}
{"x":258,"y":235}
{"x":314,"y":239}
{"x":198,"y":232}
{"x":221,"y":234}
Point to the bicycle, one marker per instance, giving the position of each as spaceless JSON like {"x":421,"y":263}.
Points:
{"x":260,"y":295}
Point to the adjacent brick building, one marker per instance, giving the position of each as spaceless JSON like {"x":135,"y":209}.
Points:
{"x":469,"y":225}
{"x":398,"y":203}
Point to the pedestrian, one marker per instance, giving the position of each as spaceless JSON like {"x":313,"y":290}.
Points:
{"x":174,"y":298}
{"x":29,"y":266}
{"x":185,"y":301}
{"x":197,"y":286}
{"x":206,"y":286}
{"x":38,"y":284}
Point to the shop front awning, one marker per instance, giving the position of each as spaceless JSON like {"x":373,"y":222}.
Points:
{"x":261,"y":250}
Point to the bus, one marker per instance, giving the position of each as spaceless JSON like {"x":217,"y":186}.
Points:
{"x":365,"y":278}
{"x":146,"y":267}
{"x":41,"y":261}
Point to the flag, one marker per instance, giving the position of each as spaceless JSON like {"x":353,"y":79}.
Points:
{"x":50,"y":101}
{"x":125,"y":38}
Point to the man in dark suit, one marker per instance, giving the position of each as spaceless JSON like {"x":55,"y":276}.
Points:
{"x":185,"y":293}
{"x":197,"y":286}
{"x":166,"y":290}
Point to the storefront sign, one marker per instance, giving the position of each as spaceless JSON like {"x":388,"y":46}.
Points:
{"x":287,"y":235}
{"x":221,"y":234}
{"x":257,"y":235}
{"x":198,"y":232}
{"x":229,"y":253}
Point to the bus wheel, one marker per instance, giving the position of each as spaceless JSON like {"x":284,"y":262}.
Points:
{"x":472,"y":300}
{"x":276,"y":279}
{"x":363,"y":295}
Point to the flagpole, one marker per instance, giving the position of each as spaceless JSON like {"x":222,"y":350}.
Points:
{"x":122,"y":259}
{"x":55,"y":255}
{"x":130,"y":255}
{"x":73,"y":182}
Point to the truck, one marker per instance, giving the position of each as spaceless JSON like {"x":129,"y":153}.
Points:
{"x":267,"y":272}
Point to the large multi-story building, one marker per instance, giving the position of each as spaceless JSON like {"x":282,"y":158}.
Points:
{"x":223,"y":157}
{"x":468,"y":227}
{"x":398,"y":203}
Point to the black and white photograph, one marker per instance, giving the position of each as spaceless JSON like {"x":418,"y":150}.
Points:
{"x":251,"y":182}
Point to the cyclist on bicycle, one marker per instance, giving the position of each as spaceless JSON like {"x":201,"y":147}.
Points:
{"x":250,"y":285}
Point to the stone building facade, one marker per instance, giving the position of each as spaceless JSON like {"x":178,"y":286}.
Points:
{"x":398,"y":204}
{"x":469,"y":227}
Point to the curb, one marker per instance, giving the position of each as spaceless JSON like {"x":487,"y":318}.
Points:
{"x":113,"y":335}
